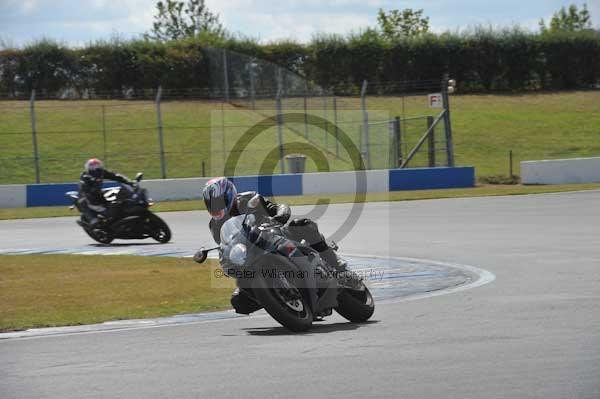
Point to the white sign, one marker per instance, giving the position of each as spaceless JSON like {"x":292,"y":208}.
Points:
{"x":435,"y":100}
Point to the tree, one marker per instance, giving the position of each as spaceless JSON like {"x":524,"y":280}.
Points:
{"x":569,"y":20}
{"x":178,"y":20}
{"x":406,"y":23}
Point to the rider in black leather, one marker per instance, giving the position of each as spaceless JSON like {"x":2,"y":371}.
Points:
{"x":223,"y":202}
{"x":91,"y":200}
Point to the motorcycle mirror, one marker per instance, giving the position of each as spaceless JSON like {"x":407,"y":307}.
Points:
{"x":201,"y":255}
{"x":139,"y":177}
{"x":254,"y":202}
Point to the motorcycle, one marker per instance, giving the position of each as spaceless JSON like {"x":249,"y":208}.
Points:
{"x":287,"y":278}
{"x":129,"y":218}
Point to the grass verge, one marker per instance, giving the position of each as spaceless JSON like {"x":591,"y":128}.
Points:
{"x":60,"y":290}
{"x":202,"y":134}
{"x":194,"y":205}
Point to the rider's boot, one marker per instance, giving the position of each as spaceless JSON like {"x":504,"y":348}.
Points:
{"x":329,"y":256}
{"x":345,"y":277}
{"x":243,"y":303}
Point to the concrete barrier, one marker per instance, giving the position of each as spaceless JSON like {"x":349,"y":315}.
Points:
{"x":561,"y":171}
{"x":377,"y":181}
{"x":431,"y":178}
{"x":279,"y":185}
{"x":13,"y":196}
{"x":175,"y":189}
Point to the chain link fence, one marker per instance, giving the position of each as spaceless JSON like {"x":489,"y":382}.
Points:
{"x":254,"y":114}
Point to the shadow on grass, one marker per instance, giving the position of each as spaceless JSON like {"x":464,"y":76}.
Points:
{"x":317,"y":328}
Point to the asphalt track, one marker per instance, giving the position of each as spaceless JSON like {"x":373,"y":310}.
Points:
{"x":534,"y":332}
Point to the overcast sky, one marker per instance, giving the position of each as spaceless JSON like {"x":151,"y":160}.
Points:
{"x":77,"y":22}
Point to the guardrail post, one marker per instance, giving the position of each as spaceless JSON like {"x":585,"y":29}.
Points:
{"x":163,"y":167}
{"x":36,"y":157}
{"x":431,"y":142}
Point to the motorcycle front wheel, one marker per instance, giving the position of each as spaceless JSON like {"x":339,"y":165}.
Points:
{"x":102,"y":236}
{"x":159,"y":230}
{"x":286,"y":305}
{"x":356,"y":305}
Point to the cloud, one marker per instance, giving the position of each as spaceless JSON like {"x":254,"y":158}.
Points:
{"x":303,"y":26}
{"x":77,"y":21}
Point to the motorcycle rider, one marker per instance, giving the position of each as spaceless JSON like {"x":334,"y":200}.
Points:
{"x":92,"y":203}
{"x":223,"y":202}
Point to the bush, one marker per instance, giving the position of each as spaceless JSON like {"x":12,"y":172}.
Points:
{"x":481,"y":59}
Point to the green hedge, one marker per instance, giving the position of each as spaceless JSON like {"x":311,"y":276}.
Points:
{"x":481,"y":60}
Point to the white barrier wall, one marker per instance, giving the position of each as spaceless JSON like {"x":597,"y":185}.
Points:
{"x":561,"y":171}
{"x":377,"y":181}
{"x":373,"y":181}
{"x":175,"y":189}
{"x":13,"y":196}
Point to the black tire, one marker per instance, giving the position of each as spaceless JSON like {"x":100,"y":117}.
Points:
{"x":102,"y":236}
{"x":159,"y":230}
{"x":296,"y":321}
{"x":356,"y":306}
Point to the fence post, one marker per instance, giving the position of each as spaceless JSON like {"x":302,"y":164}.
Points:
{"x":447,"y":122}
{"x":225,"y":77}
{"x":223,"y":136}
{"x":431,"y":142}
{"x":36,"y":157}
{"x":395,"y":153}
{"x":105,"y":158}
{"x":335,"y":127}
{"x":363,"y":104}
{"x":160,"y":133}
{"x":360,"y":140}
{"x":305,"y":111}
{"x":252,"y":84}
{"x":280,"y":131}
{"x":280,"y":91}
{"x":325,"y":123}
{"x":398,"y":132}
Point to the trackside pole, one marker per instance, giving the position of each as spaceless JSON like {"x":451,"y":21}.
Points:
{"x":36,"y":157}
{"x":447,"y":122}
{"x":365,"y":114}
{"x":225,"y":77}
{"x":280,"y":132}
{"x":160,"y":133}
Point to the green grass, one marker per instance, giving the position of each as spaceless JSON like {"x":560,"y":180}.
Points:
{"x":533,"y":126}
{"x":61,"y":290}
{"x":194,"y":205}
{"x":125,"y":135}
{"x":486,"y":128}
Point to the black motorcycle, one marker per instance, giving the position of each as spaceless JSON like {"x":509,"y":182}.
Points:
{"x":130,"y":217}
{"x":286,"y":277}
